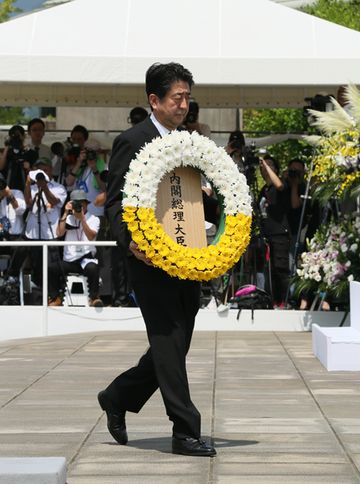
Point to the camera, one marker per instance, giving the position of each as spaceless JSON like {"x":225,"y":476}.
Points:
{"x":72,"y":150}
{"x":191,"y":118}
{"x":250,"y":158}
{"x":77,"y":205}
{"x":38,"y":175}
{"x":293,"y":174}
{"x":15,"y":142}
{"x":91,"y":154}
{"x":193,"y":113}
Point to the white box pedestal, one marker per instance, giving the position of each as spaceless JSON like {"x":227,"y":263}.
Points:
{"x":338,"y":349}
{"x":32,"y":470}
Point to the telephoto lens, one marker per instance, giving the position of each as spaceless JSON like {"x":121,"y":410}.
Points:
{"x":77,"y":206}
{"x":40,"y":176}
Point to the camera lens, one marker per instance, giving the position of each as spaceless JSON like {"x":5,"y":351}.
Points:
{"x":77,"y":206}
{"x":40,"y":177}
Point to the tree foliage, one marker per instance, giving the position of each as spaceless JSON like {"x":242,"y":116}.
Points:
{"x":6,"y":9}
{"x":279,"y":120}
{"x":346,"y":13}
{"x":9,"y":115}
{"x":337,"y":11}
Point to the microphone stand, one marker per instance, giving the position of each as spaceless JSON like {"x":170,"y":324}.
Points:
{"x":305,"y":198}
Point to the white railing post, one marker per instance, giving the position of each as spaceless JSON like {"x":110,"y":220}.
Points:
{"x":45,"y":258}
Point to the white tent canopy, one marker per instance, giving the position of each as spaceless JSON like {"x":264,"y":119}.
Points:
{"x":241,"y":52}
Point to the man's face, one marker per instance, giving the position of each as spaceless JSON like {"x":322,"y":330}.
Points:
{"x":171,"y":110}
{"x":36,"y":133}
{"x":78,"y":138}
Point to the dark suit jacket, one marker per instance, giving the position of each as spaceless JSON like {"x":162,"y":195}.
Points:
{"x":125,"y":148}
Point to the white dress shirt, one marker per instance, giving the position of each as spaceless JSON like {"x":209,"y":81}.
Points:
{"x":49,"y":217}
{"x":162,"y":130}
{"x":15,"y":215}
{"x":75,"y":252}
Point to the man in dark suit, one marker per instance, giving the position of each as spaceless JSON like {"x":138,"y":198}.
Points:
{"x":168,"y":305}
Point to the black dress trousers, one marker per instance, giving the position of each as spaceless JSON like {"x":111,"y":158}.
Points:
{"x":169,"y":306}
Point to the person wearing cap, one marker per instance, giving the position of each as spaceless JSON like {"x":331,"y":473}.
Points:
{"x":44,"y":199}
{"x":76,"y":224}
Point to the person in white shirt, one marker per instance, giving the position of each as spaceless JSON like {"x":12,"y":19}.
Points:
{"x":76,"y":224}
{"x":44,"y":199}
{"x":12,"y":208}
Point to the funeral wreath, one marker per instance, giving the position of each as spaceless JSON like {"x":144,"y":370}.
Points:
{"x":162,"y":156}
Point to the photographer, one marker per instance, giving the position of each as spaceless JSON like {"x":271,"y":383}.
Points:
{"x":294,"y":176}
{"x":16,"y":160}
{"x":12,"y":208}
{"x":65,"y":154}
{"x":86,"y":175}
{"x":76,"y":224}
{"x":44,"y":198}
{"x":274,"y":205}
{"x":191,"y":122}
{"x":235,"y":148}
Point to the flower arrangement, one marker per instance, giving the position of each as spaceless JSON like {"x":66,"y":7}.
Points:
{"x":337,"y":159}
{"x":332,"y":259}
{"x":337,"y":164}
{"x":162,"y":156}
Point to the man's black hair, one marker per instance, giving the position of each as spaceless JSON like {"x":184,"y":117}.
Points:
{"x":160,"y":77}
{"x":80,"y":129}
{"x":35,"y":121}
{"x":137,"y":115}
{"x":194,"y":107}
{"x":296,"y":160}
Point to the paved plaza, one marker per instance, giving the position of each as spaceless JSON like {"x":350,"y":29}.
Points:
{"x":275,"y":414}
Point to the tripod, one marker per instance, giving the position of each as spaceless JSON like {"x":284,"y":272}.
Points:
{"x":305,"y":197}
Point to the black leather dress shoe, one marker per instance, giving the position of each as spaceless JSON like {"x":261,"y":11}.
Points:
{"x":190,"y":446}
{"x":115,"y":419}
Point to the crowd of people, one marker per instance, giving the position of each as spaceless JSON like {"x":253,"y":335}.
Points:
{"x":59,"y":192}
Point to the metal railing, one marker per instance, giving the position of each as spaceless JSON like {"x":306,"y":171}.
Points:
{"x":52,"y":243}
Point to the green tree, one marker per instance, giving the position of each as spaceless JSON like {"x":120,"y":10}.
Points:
{"x":279,"y":120}
{"x":9,"y":115}
{"x":346,"y":13}
{"x":337,"y":11}
{"x":6,"y":9}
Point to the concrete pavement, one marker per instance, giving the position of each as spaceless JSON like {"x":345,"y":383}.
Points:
{"x":275,"y":414}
